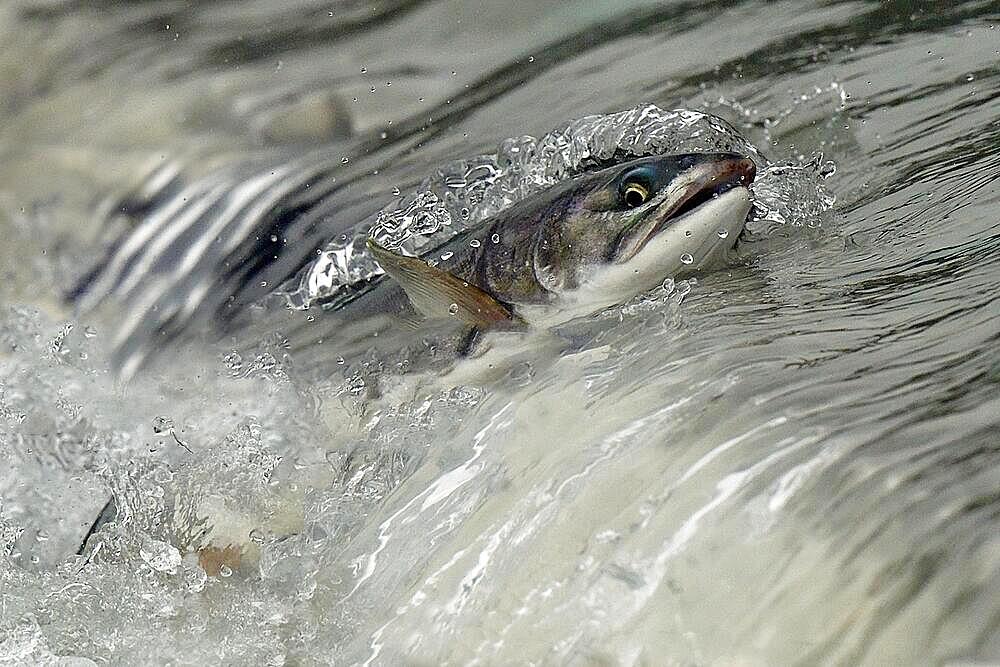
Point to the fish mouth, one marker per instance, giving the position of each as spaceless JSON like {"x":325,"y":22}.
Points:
{"x":687,"y":193}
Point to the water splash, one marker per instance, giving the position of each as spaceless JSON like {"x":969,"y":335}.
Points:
{"x":9,"y":532}
{"x":164,"y":512}
{"x":462,"y":194}
{"x":791,"y":193}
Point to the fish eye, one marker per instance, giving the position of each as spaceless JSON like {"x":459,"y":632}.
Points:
{"x":634,"y":195}
{"x":636,"y":188}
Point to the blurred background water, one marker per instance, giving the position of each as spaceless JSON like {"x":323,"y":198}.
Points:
{"x":794,"y":461}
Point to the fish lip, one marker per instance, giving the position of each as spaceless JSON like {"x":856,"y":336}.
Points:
{"x":706,"y":180}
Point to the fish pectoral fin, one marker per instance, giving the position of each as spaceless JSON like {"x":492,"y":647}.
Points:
{"x":438,"y":294}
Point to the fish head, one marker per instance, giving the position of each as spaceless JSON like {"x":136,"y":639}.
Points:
{"x":625,"y":229}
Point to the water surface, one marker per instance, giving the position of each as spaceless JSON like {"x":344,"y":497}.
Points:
{"x":793,"y":461}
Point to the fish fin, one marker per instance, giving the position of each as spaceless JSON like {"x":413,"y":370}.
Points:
{"x":438,"y":294}
{"x":410,"y":319}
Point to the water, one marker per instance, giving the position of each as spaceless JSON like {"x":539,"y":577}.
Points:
{"x":790,"y":462}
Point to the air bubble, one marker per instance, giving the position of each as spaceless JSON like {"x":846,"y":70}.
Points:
{"x":345,"y":160}
{"x":723,"y":233}
{"x":445,"y":256}
{"x":686,"y":258}
{"x":453,"y":309}
{"x":395,"y":192}
{"x":225,"y":571}
{"x":687,"y":232}
{"x":475,"y":243}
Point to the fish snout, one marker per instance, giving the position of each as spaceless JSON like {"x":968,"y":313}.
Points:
{"x":729,"y":171}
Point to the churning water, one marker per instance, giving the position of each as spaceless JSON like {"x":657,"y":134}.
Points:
{"x":792,"y":461}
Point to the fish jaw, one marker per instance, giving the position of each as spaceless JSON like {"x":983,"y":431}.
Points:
{"x":698,"y":240}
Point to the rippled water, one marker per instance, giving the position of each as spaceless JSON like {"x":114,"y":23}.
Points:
{"x":794,"y":461}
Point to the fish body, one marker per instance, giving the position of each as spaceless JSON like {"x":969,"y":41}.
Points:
{"x":580,"y":246}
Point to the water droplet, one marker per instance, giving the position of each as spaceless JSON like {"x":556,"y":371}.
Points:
{"x":89,"y":332}
{"x":686,"y":258}
{"x":274,"y":238}
{"x":531,"y":59}
{"x":687,"y":232}
{"x":395,"y":192}
{"x":345,"y":160}
{"x":363,"y":68}
{"x":475,"y":243}
{"x":372,"y":90}
{"x":723,"y":233}
{"x":495,"y":238}
{"x":445,"y":256}
{"x":225,"y":571}
{"x":341,"y":361}
{"x":41,"y":535}
{"x":310,"y":318}
{"x":453,"y":309}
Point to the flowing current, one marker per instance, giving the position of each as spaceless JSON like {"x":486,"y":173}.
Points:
{"x":795,"y":460}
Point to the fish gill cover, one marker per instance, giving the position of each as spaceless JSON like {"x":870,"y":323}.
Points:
{"x":462,"y":194}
